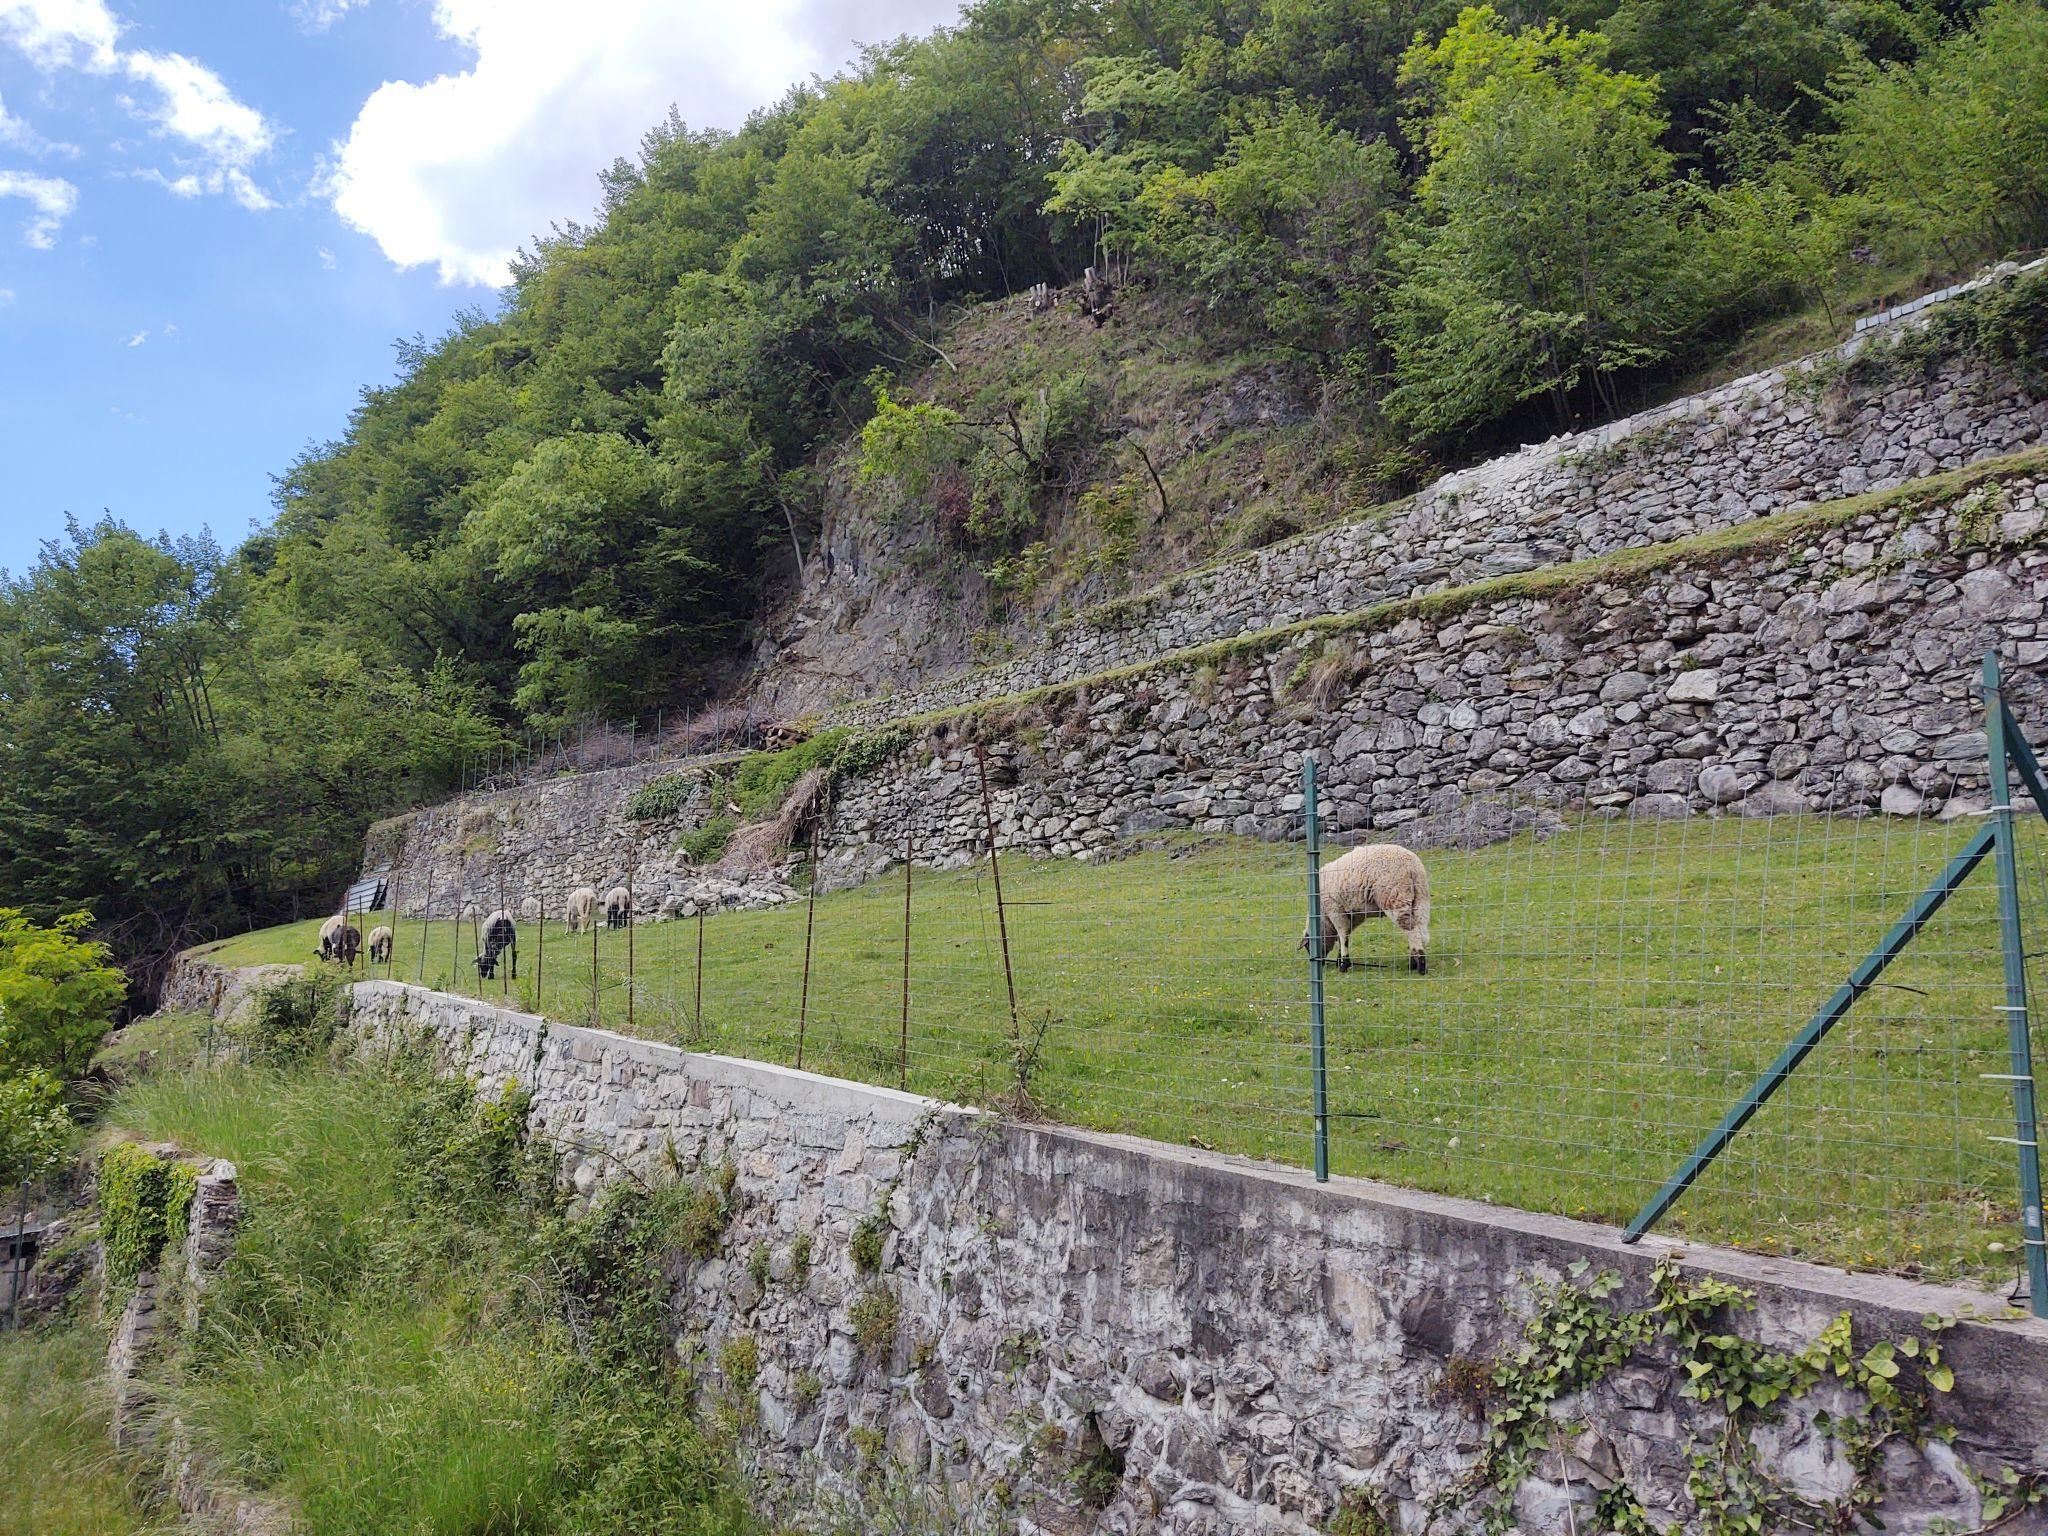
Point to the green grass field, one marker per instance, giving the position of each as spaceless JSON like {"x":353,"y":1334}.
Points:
{"x":1593,"y":1004}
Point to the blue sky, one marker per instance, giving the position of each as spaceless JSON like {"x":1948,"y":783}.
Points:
{"x":216,"y":217}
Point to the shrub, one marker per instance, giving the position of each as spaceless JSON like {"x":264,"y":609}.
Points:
{"x":144,"y":1203}
{"x":58,"y":993}
{"x":293,"y":1021}
{"x":704,"y":844}
{"x":663,"y":798}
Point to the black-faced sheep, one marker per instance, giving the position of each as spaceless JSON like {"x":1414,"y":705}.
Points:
{"x":1376,"y":880}
{"x":381,"y":940}
{"x":618,"y":907}
{"x":340,"y":940}
{"x":582,"y":908}
{"x":498,"y":936}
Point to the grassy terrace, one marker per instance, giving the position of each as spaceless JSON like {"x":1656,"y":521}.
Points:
{"x":1593,"y":1004}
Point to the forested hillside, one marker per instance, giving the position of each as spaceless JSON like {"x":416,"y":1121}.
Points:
{"x":1445,"y":226}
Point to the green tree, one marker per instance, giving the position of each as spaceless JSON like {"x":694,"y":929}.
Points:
{"x":58,"y":995}
{"x":1548,"y":248}
{"x":1952,"y":149}
{"x":35,"y":1132}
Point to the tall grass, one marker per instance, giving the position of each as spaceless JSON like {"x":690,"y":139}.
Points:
{"x":386,"y":1350}
{"x":58,"y":1472}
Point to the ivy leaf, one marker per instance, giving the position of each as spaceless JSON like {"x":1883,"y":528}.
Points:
{"x":1941,"y":1378}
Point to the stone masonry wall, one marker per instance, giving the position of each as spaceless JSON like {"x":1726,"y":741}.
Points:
{"x":521,"y":846}
{"x":1762,"y":444}
{"x":1068,"y":1332}
{"x":1835,"y":670}
{"x":1829,"y":665}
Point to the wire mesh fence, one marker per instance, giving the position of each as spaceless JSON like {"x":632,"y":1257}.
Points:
{"x":1603,"y":982}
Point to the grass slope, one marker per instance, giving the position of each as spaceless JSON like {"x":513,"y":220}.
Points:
{"x":1593,"y":1004}
{"x":58,"y":1472}
{"x":391,"y":1349}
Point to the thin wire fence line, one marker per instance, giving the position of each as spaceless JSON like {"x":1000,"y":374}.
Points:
{"x":1599,"y":991}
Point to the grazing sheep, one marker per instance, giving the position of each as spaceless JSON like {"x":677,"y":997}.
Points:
{"x":381,"y":940}
{"x":499,"y":936}
{"x":339,"y":941}
{"x":582,"y":908}
{"x":1376,"y":880}
{"x":618,"y":907}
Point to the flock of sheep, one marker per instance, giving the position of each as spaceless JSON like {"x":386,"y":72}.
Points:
{"x":1375,"y":880}
{"x":497,"y":935}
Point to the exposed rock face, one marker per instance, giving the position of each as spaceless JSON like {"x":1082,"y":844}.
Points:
{"x":1072,"y":1332}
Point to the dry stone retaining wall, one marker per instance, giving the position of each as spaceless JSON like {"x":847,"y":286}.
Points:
{"x":1830,"y":665}
{"x":1834,"y":670}
{"x":1070,"y":1332}
{"x":1766,"y":443}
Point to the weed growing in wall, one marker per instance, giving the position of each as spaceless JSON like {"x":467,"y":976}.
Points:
{"x":1578,"y":1337}
{"x":145,"y":1201}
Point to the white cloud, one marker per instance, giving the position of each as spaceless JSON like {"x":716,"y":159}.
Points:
{"x":138,"y":339}
{"x":319,"y":15}
{"x":189,"y":105}
{"x":236,"y":183}
{"x":6,"y":297}
{"x":195,"y":105}
{"x":327,"y":259}
{"x":62,"y":34}
{"x":17,"y":133}
{"x":464,"y":169}
{"x":50,"y":200}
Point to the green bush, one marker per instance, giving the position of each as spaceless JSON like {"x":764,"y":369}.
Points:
{"x":704,"y":844}
{"x":663,"y":798}
{"x":761,"y":782}
{"x":294,"y":1020}
{"x":145,"y":1201}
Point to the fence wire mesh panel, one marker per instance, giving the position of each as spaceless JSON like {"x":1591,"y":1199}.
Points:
{"x":1603,"y":982}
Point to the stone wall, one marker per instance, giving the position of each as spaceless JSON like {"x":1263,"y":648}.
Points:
{"x":1772,"y":441}
{"x":1054,"y":1331}
{"x":1825,"y":659}
{"x":1824,"y":667}
{"x":521,"y":846}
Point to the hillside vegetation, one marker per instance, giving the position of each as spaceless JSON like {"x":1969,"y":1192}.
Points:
{"x":1434,"y":226}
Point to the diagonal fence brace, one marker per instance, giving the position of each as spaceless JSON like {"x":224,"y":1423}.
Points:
{"x":1830,"y":1013}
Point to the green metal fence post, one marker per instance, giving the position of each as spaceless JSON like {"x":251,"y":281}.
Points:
{"x":1319,"y":1072}
{"x":2026,"y":1137}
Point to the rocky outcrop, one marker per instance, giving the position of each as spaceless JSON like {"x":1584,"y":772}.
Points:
{"x":197,"y":984}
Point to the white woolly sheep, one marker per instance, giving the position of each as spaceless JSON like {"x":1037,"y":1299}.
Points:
{"x":339,"y":940}
{"x":582,"y":908}
{"x":499,"y":936}
{"x":381,"y":940}
{"x":618,"y":907}
{"x":1376,"y":880}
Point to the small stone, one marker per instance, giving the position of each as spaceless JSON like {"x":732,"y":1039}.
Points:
{"x":1700,"y":686}
{"x":1721,"y":784}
